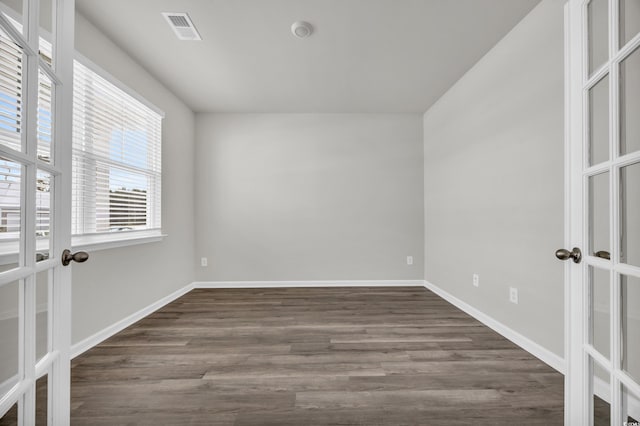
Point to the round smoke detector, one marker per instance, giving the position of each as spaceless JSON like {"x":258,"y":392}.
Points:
{"x":301,"y":29}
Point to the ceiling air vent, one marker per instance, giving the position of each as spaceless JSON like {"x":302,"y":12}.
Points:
{"x":182,"y":25}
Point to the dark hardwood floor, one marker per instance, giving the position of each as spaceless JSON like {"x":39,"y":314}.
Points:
{"x":312,"y":356}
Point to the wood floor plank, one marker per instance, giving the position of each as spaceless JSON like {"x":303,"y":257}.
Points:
{"x":312,"y":356}
{"x":408,"y":399}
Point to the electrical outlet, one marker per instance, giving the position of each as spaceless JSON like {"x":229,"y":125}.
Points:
{"x":476,"y":280}
{"x":513,"y":295}
{"x":203,"y":261}
{"x":409,"y":260}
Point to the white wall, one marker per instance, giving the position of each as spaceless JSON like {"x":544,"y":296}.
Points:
{"x":309,"y":196}
{"x":116,"y":283}
{"x":494,"y":180}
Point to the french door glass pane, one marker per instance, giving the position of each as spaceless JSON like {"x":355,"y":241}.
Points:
{"x":600,"y":313}
{"x":629,"y":20}
{"x":9,"y":340}
{"x":9,"y":262}
{"x":630,"y":103}
{"x":600,"y":380}
{"x":630,"y":407}
{"x":41,"y":400}
{"x":10,"y":208}
{"x":42,"y":314}
{"x":599,"y":122}
{"x":10,"y":93}
{"x":46,"y":24}
{"x":44,"y":189}
{"x":599,"y":213}
{"x":631,"y":326}
{"x":630,"y":214}
{"x":15,"y":8}
{"x":11,"y":417}
{"x":45,"y":117}
{"x":597,"y":17}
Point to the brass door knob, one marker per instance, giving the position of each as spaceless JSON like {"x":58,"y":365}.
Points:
{"x":79,"y":257}
{"x":564,"y":254}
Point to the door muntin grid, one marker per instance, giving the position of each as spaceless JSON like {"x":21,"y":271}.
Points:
{"x":608,"y":228}
{"x":26,"y":207}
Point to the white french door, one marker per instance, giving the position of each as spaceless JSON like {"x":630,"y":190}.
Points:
{"x":36,"y":54}
{"x":603,"y":122}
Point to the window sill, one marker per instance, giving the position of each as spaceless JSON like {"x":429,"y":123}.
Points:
{"x":110,"y":241}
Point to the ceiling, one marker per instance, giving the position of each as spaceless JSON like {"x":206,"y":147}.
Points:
{"x":364,"y":56}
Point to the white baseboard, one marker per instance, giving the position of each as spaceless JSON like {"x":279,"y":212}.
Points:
{"x":525,"y":343}
{"x":283,"y":284}
{"x":102,"y":335}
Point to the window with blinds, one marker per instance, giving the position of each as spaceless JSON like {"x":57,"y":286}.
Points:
{"x":116,"y":158}
{"x":116,"y":151}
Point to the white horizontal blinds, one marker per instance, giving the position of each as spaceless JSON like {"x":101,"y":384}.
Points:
{"x":116,"y":158}
{"x":10,"y":92}
{"x":45,"y":117}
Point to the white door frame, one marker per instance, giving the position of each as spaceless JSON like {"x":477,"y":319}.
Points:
{"x":56,"y":362}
